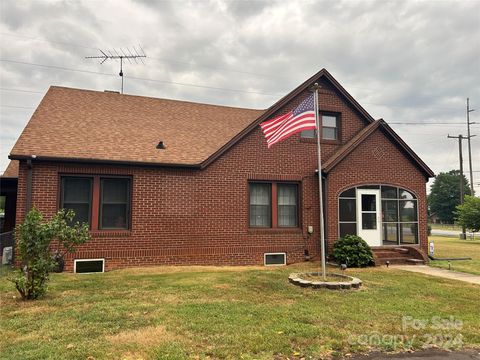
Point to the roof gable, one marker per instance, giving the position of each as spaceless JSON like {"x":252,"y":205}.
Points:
{"x":350,"y":146}
{"x":12,"y":170}
{"x":284,"y":101}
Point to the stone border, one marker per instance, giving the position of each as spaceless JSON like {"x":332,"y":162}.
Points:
{"x":350,"y":283}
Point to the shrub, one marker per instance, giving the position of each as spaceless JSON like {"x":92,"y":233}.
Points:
{"x":353,"y":251}
{"x":35,"y":239}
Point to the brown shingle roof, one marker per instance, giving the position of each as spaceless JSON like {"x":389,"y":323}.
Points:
{"x":12,"y":169}
{"x":92,"y":125}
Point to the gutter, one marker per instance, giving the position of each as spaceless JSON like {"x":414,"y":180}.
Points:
{"x":105,"y":162}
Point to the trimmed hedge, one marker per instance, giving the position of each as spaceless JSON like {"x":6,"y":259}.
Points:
{"x":353,"y":251}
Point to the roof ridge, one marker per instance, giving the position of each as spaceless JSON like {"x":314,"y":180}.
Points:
{"x":114,"y":93}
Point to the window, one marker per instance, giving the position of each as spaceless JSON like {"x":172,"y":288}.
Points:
{"x":77,"y":196}
{"x":399,"y":214}
{"x":260,"y":205}
{"x":114,"y":203}
{"x":329,"y":128}
{"x":273,"y":205}
{"x":287,"y":205}
{"x":272,"y":259}
{"x":102,"y":202}
{"x":347,"y":213}
{"x":88,"y":266}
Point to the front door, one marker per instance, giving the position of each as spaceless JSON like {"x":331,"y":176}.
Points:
{"x":369,"y":216}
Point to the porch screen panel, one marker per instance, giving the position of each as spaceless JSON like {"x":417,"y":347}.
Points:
{"x":287,"y":205}
{"x":76,"y":195}
{"x":260,"y":205}
{"x":115,"y":203}
{"x":399,"y":214}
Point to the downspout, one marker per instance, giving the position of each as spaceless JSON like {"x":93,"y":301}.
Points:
{"x":28,"y":203}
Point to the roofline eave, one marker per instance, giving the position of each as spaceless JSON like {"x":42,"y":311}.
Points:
{"x":103,"y":161}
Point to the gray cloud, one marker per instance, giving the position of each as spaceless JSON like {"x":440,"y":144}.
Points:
{"x":403,"y":61}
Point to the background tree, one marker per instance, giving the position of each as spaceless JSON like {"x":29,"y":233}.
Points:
{"x":35,"y":240}
{"x":445,"y":195}
{"x":468,"y":214}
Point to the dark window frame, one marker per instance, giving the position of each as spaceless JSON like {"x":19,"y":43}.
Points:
{"x":95,"y":212}
{"x":273,"y":196}
{"x":128,"y":204}
{"x":62,"y":195}
{"x":338,"y":128}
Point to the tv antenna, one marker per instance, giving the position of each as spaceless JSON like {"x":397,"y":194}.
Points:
{"x":129,"y":55}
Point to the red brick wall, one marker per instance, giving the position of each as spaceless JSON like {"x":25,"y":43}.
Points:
{"x":365,"y":166}
{"x":201,"y":217}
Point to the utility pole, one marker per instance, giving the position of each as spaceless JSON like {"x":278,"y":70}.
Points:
{"x":469,"y":146}
{"x":463,"y":235}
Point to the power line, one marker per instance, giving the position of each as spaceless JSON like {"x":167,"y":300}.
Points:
{"x":137,"y":78}
{"x":16,"y":107}
{"x":190,"y":63}
{"x":430,"y":123}
{"x":21,"y":90}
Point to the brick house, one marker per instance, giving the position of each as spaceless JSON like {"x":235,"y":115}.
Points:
{"x":173,"y":182}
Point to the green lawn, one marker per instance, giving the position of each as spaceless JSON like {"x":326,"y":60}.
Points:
{"x":233,"y":313}
{"x":450,"y":247}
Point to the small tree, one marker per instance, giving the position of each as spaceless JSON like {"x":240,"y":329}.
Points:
{"x":468,"y":214}
{"x":35,"y":239}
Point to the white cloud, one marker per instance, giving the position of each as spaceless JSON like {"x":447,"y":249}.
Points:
{"x":403,"y":61}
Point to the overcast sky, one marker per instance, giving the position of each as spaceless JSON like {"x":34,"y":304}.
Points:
{"x":404,"y":61}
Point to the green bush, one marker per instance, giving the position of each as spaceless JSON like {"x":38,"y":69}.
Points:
{"x":353,"y":251}
{"x":35,"y":239}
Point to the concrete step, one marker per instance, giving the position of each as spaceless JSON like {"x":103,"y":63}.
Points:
{"x":392,"y":261}
{"x":415,"y":262}
{"x":383,"y":254}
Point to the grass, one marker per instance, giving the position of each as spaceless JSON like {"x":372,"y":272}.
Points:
{"x":451,"y":247}
{"x":228,"y":313}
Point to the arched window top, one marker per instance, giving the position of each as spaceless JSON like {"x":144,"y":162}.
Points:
{"x":388,"y":192}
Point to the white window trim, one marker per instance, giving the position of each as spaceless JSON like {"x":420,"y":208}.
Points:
{"x":279,"y":253}
{"x":84,"y":260}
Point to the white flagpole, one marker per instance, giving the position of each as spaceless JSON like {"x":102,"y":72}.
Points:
{"x":320,"y":190}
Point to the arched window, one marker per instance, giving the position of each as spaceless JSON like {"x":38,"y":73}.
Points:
{"x":397,"y":214}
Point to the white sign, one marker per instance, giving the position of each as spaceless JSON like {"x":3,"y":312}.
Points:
{"x":431,"y":249}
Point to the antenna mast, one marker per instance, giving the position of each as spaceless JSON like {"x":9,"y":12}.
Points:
{"x":121,"y":55}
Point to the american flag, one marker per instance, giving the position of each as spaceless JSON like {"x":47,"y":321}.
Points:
{"x":299,"y":119}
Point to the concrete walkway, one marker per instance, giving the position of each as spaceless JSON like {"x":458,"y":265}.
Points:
{"x":444,"y":273}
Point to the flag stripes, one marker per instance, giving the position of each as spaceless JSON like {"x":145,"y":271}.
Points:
{"x":299,"y":119}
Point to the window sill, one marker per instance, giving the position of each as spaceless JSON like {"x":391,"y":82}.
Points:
{"x":110,"y":233}
{"x":323,"y":141}
{"x":275,"y":230}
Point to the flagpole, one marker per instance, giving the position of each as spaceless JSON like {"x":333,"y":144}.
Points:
{"x":320,"y":188}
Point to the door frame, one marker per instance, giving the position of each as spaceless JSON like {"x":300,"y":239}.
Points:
{"x":373,"y":237}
